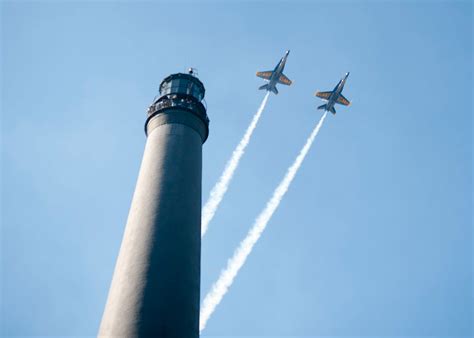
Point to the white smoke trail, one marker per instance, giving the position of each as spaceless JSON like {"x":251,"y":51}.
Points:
{"x":219,"y":190}
{"x":220,"y":288}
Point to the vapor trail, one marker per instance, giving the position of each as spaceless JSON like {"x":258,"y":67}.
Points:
{"x":220,"y":288}
{"x":219,"y":190}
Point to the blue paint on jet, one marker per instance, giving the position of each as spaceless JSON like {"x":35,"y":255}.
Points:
{"x":275,"y":76}
{"x":335,"y":96}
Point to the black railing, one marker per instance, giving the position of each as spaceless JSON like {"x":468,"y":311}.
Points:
{"x":179,"y":101}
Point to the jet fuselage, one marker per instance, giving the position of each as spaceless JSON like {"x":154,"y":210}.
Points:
{"x":336,"y":92}
{"x":278,"y":71}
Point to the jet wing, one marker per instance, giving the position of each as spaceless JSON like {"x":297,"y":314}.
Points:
{"x":323,"y":95}
{"x":284,"y":80}
{"x":342,"y":100}
{"x":265,"y":75}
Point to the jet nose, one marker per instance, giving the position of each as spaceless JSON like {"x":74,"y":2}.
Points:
{"x":347,"y":74}
{"x":287,"y":52}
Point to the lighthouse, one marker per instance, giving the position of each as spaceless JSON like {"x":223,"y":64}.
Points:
{"x":155,"y":287}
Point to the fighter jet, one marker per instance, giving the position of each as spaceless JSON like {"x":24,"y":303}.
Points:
{"x":335,"y":96}
{"x":275,"y":76}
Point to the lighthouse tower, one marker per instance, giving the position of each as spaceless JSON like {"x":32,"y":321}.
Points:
{"x":156,"y":283}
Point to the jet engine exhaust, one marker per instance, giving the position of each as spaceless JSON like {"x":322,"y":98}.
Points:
{"x":220,"y":188}
{"x":222,"y":285}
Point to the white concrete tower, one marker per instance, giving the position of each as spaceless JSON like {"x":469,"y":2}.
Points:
{"x":156,"y":282}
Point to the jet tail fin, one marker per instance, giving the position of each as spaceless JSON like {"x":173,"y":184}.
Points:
{"x":267,"y":87}
{"x":325,"y":107}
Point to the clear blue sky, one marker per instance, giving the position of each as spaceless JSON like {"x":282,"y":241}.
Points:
{"x":374,"y":237}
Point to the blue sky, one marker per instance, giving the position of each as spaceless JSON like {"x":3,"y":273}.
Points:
{"x":374,"y":237}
